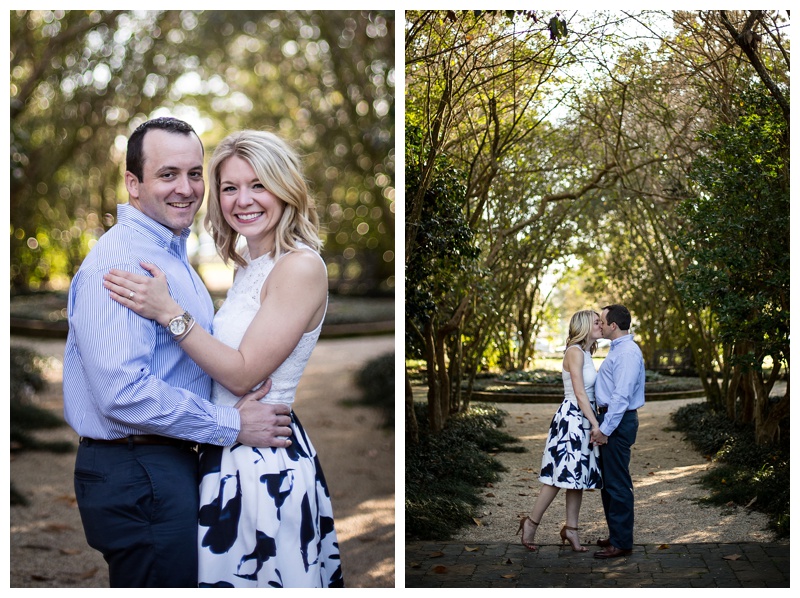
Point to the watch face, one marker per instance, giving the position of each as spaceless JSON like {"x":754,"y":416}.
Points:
{"x":177,"y":326}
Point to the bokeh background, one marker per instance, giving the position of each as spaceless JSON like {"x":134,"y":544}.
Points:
{"x":81,"y":81}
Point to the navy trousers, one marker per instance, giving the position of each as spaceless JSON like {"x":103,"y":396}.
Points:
{"x":139,"y":508}
{"x":617,"y":492}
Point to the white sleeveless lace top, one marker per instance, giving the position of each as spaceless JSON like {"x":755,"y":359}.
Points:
{"x":232,"y":320}
{"x":589,"y":377}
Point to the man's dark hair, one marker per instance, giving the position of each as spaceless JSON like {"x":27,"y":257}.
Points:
{"x":619,"y":315}
{"x":134,"y":161}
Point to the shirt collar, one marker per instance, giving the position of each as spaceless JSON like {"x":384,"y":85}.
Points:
{"x":129,"y":216}
{"x":621,"y":339}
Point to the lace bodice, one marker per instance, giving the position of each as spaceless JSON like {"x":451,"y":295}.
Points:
{"x":233,"y":319}
{"x":589,"y":377}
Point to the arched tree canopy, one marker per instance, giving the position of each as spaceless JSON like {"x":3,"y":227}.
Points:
{"x":588,"y":143}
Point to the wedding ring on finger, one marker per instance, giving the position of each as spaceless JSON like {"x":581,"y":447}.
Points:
{"x":130,"y":296}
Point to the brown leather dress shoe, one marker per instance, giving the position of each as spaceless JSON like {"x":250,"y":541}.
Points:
{"x":604,"y":542}
{"x":611,"y":552}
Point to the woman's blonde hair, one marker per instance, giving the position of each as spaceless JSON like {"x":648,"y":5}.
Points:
{"x":278,"y":168}
{"x":580,"y":325}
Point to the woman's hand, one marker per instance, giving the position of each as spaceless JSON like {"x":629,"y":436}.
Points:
{"x":148,"y":297}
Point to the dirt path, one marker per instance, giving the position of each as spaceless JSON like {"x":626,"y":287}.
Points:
{"x":666,"y":471}
{"x":48,"y":548}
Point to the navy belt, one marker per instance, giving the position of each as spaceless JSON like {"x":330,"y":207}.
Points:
{"x":142,"y":440}
{"x":601,"y":409}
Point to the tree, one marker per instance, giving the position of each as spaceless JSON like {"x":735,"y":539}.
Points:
{"x":736,"y":236}
{"x":82,"y":80}
{"x":444,"y":252}
{"x":478,"y":88}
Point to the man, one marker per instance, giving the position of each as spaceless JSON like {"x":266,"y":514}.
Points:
{"x":619,"y":392}
{"x":136,"y":400}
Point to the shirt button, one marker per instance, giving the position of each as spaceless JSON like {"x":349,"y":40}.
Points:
{"x":220,"y":440}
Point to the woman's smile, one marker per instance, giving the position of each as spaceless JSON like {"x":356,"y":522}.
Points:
{"x":248,"y":207}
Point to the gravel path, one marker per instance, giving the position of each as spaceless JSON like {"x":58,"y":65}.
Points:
{"x":665,"y":469}
{"x":47,"y":545}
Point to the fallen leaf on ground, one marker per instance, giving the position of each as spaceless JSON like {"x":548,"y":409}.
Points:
{"x":415,"y":565}
{"x":440,"y":569}
{"x":732,"y":557}
{"x":477,"y":521}
{"x":70,"y":551}
{"x":435,"y":555}
{"x":750,"y":504}
{"x":509,"y":576}
{"x":89,"y":573}
{"x":490,"y":494}
{"x":470,"y":549}
{"x":663,"y":547}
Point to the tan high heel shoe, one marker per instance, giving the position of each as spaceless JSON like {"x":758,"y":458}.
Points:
{"x":576,"y":545}
{"x":528,"y":545}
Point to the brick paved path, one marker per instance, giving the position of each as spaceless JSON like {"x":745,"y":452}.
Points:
{"x":451,"y":565}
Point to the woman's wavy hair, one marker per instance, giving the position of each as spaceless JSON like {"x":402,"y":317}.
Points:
{"x":278,"y":168}
{"x":580,"y":325}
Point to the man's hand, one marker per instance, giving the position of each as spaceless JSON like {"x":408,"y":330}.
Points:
{"x":598,"y":437}
{"x":263,"y":424}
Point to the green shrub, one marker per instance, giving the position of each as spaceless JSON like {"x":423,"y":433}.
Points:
{"x":376,"y":381}
{"x":26,"y":379}
{"x":445,"y":471}
{"x":26,"y":372}
{"x":747,"y":474}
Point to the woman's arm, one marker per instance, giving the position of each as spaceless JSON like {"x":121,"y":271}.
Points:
{"x":573,"y":363}
{"x":292,"y":303}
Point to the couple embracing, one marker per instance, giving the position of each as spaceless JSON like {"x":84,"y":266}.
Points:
{"x":591,"y":435}
{"x":179,"y":481}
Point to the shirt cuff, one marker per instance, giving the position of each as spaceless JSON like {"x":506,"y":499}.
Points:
{"x":229,"y":424}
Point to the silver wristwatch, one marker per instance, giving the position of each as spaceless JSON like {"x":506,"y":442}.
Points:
{"x":180,"y":325}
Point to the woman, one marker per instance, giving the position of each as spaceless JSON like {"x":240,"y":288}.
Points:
{"x":265,"y":514}
{"x":569,"y":461}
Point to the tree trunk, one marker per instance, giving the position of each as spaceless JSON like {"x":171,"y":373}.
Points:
{"x":434,"y":395}
{"x":769,"y":417}
{"x":456,"y":373}
{"x":412,"y":427}
{"x":443,"y":377}
{"x":748,"y":397}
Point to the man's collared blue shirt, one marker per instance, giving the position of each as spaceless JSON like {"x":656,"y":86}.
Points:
{"x":124,"y":374}
{"x":620,"y":382}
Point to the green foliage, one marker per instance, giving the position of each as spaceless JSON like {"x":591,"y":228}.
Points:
{"x":442,"y":248}
{"x":445,"y":472}
{"x":533,"y":376}
{"x":82,"y":79}
{"x":747,"y":474}
{"x":558,"y":28}
{"x":376,"y":381}
{"x":736,"y":232}
{"x":26,"y":372}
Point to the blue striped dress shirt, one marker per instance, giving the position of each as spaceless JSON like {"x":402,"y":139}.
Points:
{"x":124,"y":374}
{"x":620,"y":382}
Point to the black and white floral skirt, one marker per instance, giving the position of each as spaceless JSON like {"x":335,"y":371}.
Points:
{"x":266,"y":518}
{"x":568,"y":460}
